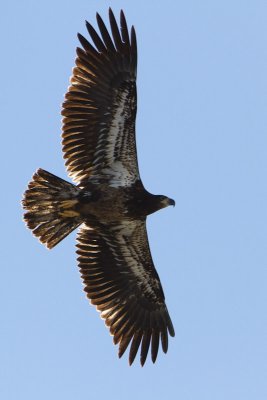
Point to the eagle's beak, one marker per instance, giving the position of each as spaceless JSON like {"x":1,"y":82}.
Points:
{"x":171,"y":202}
{"x":166,"y":201}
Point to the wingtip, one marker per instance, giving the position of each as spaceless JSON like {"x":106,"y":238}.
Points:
{"x":164,"y":340}
{"x":88,"y":25}
{"x":122,"y":15}
{"x":79,"y":36}
{"x":171,"y":329}
{"x":98,"y":17}
{"x":143,"y":358}
{"x":133,"y":33}
{"x":110,"y":12}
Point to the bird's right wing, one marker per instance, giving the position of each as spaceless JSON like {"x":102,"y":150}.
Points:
{"x":121,"y":281}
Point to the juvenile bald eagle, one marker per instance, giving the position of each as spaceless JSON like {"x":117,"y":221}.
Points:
{"x":109,"y":202}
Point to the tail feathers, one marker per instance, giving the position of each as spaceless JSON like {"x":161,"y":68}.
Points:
{"x":50,"y":204}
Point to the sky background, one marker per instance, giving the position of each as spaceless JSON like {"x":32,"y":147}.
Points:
{"x":201,"y":136}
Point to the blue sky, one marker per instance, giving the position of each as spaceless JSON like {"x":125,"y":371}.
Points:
{"x":201,"y":134}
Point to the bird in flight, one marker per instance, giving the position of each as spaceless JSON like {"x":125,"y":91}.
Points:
{"x":109,"y":202}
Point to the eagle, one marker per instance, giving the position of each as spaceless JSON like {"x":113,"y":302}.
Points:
{"x":109,"y":203}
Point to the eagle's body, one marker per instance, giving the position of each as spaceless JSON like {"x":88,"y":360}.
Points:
{"x":135,"y":202}
{"x":109,"y":202}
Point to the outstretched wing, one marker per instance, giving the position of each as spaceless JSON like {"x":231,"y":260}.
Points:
{"x":121,"y":281}
{"x":100,"y":107}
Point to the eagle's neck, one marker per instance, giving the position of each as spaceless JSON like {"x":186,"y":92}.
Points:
{"x":143,"y":203}
{"x":152,"y":203}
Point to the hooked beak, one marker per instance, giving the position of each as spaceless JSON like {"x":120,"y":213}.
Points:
{"x":171,"y":202}
{"x":167,"y":202}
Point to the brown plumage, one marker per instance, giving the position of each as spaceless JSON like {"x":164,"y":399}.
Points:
{"x":109,"y":202}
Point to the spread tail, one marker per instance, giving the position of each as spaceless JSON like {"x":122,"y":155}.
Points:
{"x":50,"y":204}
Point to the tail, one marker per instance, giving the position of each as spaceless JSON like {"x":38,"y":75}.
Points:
{"x":50,"y":203}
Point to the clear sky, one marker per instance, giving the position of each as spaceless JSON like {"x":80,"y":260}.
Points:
{"x":202,"y":140}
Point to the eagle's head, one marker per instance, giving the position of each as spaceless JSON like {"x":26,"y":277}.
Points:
{"x":148,"y":203}
{"x":165,"y":201}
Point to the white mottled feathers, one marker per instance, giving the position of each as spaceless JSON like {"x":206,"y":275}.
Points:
{"x":121,"y":281}
{"x":100,"y":108}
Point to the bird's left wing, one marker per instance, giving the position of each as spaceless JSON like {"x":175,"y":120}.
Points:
{"x":100,"y":107}
{"x":121,"y":281}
